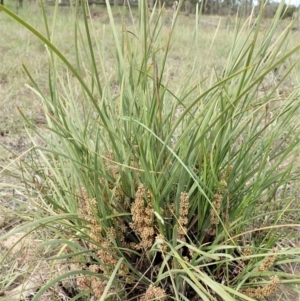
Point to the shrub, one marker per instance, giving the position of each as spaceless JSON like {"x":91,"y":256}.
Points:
{"x":162,"y":195}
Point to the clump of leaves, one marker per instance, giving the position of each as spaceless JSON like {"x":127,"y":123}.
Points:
{"x":169,"y":196}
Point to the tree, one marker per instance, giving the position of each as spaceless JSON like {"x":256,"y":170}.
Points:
{"x":245,"y":8}
{"x":217,"y":7}
{"x":211,"y":7}
{"x":187,"y":7}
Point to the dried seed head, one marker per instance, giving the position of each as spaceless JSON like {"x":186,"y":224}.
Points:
{"x":94,"y":268}
{"x":111,"y":234}
{"x":161,"y":243}
{"x":142,"y":219}
{"x":247,"y":252}
{"x":268,"y":262}
{"x":217,"y":201}
{"x":83,"y":283}
{"x":154,"y":293}
{"x":229,"y":169}
{"x":223,"y":183}
{"x":104,"y":244}
{"x":183,"y":214}
{"x":265,"y":291}
{"x":124,"y":270}
{"x":97,"y":287}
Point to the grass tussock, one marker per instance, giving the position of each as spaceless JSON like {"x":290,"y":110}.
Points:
{"x":155,"y":187}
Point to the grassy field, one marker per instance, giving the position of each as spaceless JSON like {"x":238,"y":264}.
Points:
{"x":205,"y":57}
{"x":156,"y":116}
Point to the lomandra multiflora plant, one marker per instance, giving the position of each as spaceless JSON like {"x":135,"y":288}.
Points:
{"x":160,"y":193}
